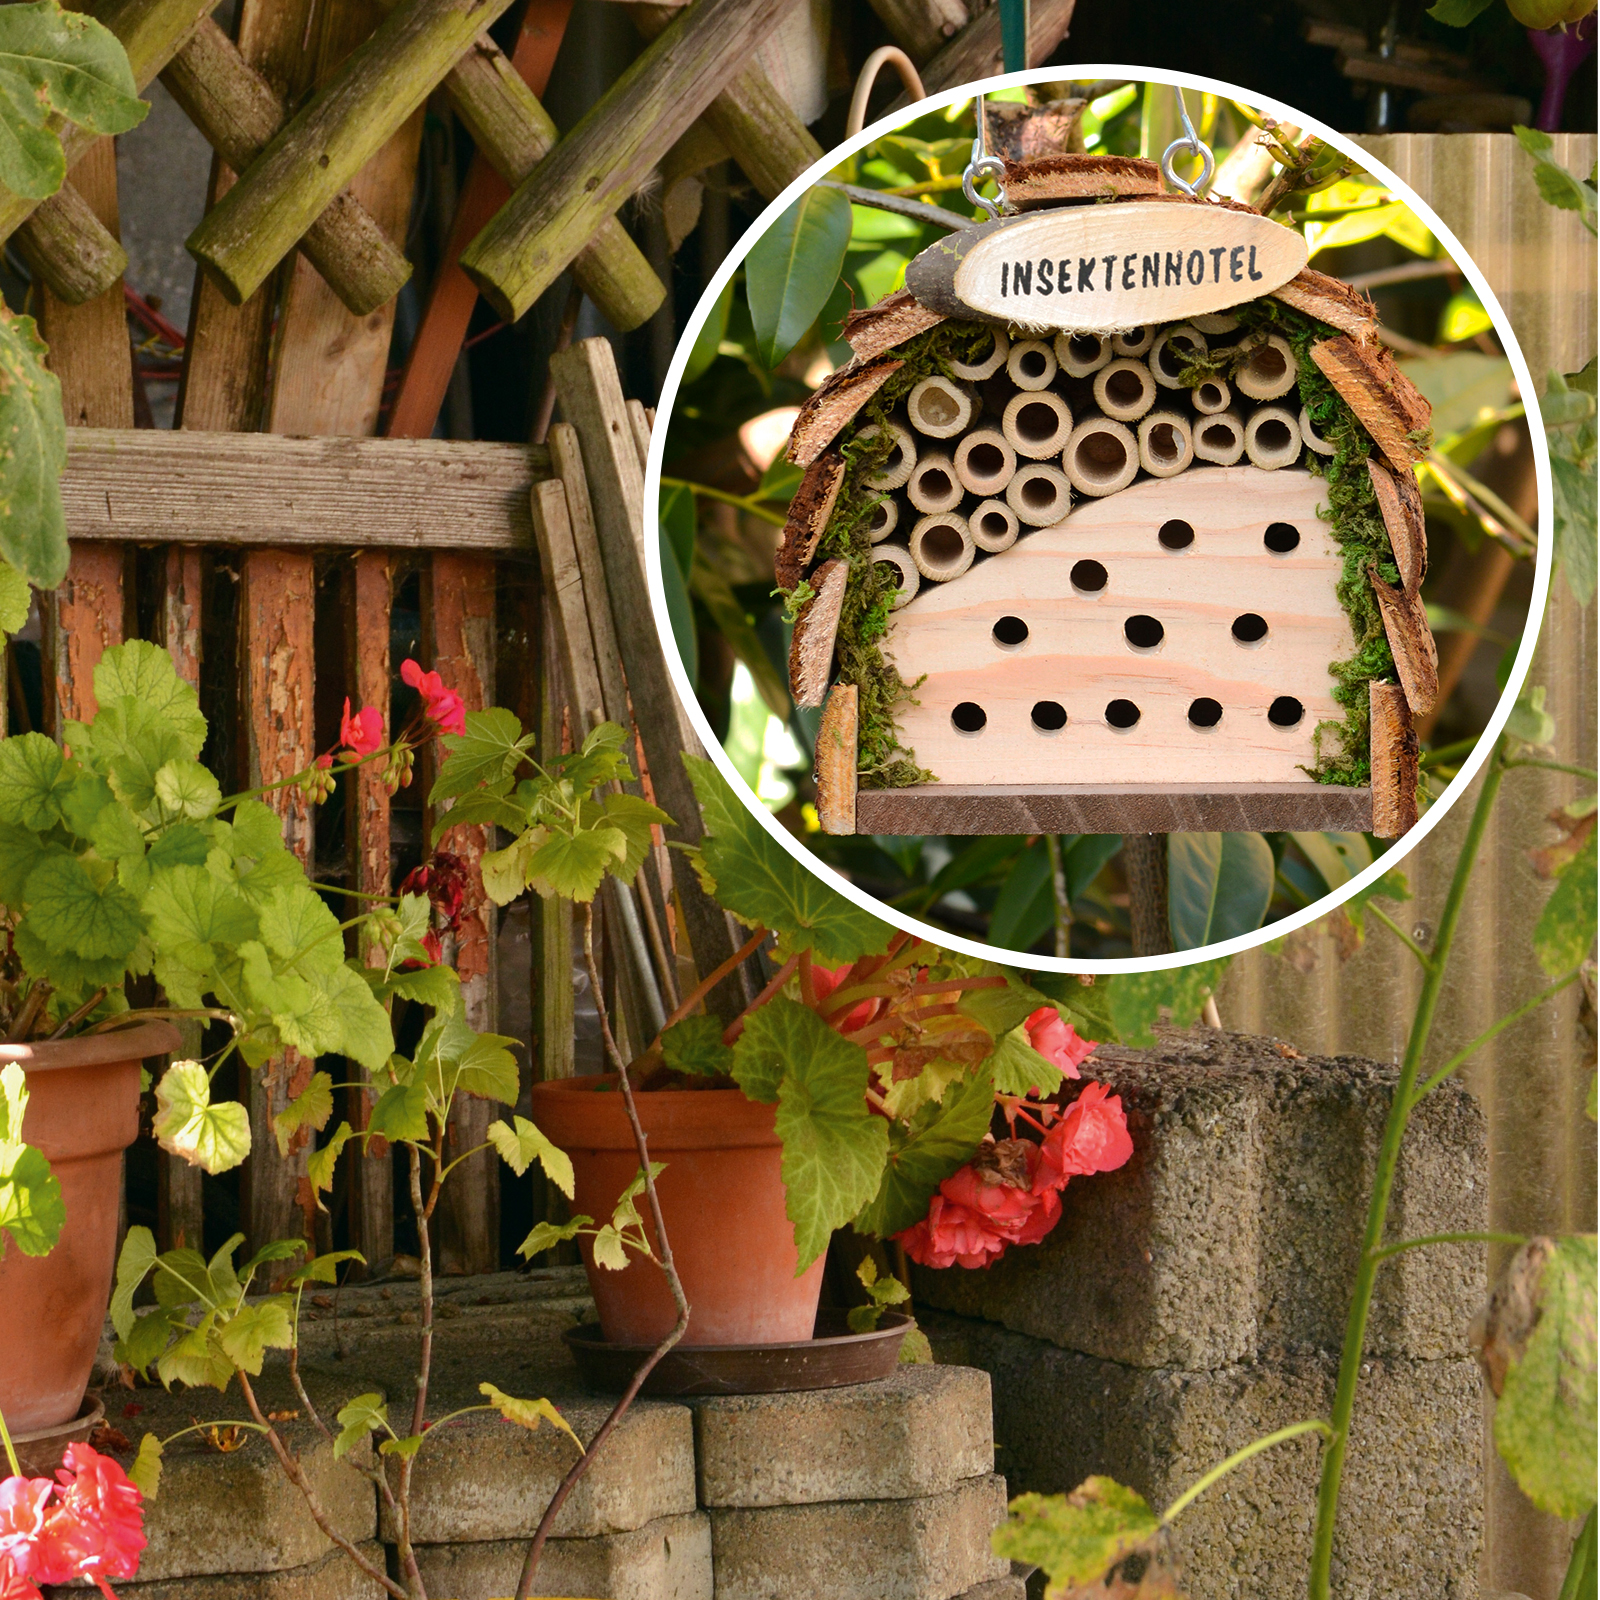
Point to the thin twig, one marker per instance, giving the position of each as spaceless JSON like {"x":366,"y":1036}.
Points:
{"x":530,"y":1566}
{"x":917,"y":210}
{"x":424,"y":1214}
{"x":82,"y":1011}
{"x":706,"y":985}
{"x":31,"y":1007}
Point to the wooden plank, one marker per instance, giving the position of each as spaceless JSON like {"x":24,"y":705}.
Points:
{"x":975,"y":51}
{"x":1394,"y":762}
{"x":921,"y":27}
{"x":82,"y":620}
{"x":459,"y":611}
{"x":836,"y":759}
{"x":569,"y":610}
{"x":367,"y":594}
{"x":143,"y":486}
{"x":1114,"y":808}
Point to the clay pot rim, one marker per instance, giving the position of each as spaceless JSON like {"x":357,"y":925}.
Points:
{"x":144,"y":1039}
{"x":674,"y":1119}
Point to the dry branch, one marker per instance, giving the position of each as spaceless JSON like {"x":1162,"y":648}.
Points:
{"x":1416,"y":658}
{"x":841,"y":396}
{"x":835,"y":766}
{"x":811,"y":648}
{"x":1400,"y":502}
{"x":1389,"y":405}
{"x":809,"y":511}
{"x":1394,"y":762}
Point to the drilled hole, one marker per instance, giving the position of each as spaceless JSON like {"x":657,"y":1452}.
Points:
{"x":985,"y":460}
{"x":1010,"y":631}
{"x":1036,"y":422}
{"x":1048,"y":717}
{"x":1285,"y":711}
{"x":1176,"y":535}
{"x":1281,"y":537}
{"x":1089,"y":577}
{"x":1122,"y":713}
{"x":969,"y":717}
{"x":1249,"y":629}
{"x":1143,"y":633}
{"x":1205,"y":713}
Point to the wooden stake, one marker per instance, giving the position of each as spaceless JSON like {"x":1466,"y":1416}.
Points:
{"x":1394,"y":762}
{"x":570,"y":612}
{"x":921,"y":27}
{"x":975,"y":51}
{"x":612,"y":150}
{"x":835,"y":769}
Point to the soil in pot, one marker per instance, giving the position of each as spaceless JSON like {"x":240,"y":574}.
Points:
{"x":722,"y":1199}
{"x":83,"y":1112}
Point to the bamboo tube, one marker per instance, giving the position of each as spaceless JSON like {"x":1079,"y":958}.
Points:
{"x":1313,"y":439}
{"x":933,"y":485}
{"x":940,"y":408}
{"x":1040,"y":495}
{"x":994,"y":526}
{"x":894,"y":472}
{"x":1268,"y":371}
{"x":613,"y":149}
{"x":1124,"y":389}
{"x":67,"y":246}
{"x":1272,"y":438}
{"x":1215,"y":322}
{"x":1031,"y":364}
{"x":906,"y":574}
{"x":237,"y":110}
{"x":1211,"y":396}
{"x":1168,"y":355}
{"x":1219,"y":439}
{"x":1133,"y":341}
{"x":1082,"y":354}
{"x":1166,"y":444}
{"x":1036,"y":424}
{"x":985,"y":462}
{"x":344,"y":124}
{"x":977,"y":371}
{"x":942,"y":547}
{"x":885,"y":519}
{"x":1101,"y":457}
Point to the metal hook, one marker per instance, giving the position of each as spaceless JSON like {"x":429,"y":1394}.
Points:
{"x":1195,"y":146}
{"x":981,"y":165}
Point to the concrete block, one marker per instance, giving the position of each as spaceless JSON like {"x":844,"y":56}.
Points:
{"x":1411,"y":1520}
{"x":933,"y":1547}
{"x":1234,"y":1230}
{"x":334,"y":1577}
{"x":668,"y":1559}
{"x":918,"y":1432}
{"x":997,"y":1589}
{"x":482,"y":1478}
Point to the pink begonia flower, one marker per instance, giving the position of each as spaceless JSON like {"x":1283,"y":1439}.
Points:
{"x":13,"y":1585}
{"x":97,"y":1529}
{"x":1091,"y":1137}
{"x":825,"y":980}
{"x":362,"y":733}
{"x":443,"y":706}
{"x":1057,"y":1040}
{"x":23,"y":1505}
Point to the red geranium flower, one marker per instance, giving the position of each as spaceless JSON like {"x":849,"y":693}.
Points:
{"x":1092,"y":1136}
{"x":444,"y":880}
{"x":13,"y":1585}
{"x":442,"y":706}
{"x":1057,"y":1040}
{"x":362,"y":733}
{"x":23,"y":1503}
{"x":97,"y":1530}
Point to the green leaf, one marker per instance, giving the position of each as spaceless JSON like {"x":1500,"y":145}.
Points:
{"x":211,"y":1137}
{"x":695,"y":1045}
{"x":66,"y":971}
{"x":547,"y":1235}
{"x":678,"y":528}
{"x":194,"y":916}
{"x":33,"y":450}
{"x":73,"y":913}
{"x":438,"y":987}
{"x":401,"y":1113}
{"x":20,"y":852}
{"x":16,"y":599}
{"x":359,"y":1417}
{"x":34,"y":778}
{"x":763,"y":885}
{"x":1544,"y":1424}
{"x":185,"y":787}
{"x":1337,"y":857}
{"x":1565,"y":931}
{"x":311,"y":1108}
{"x":129,"y":742}
{"x":298,"y":928}
{"x":523,"y":1143}
{"x":712,"y":332}
{"x":1017,"y":1067}
{"x":1392,"y":885}
{"x":133,"y":1264}
{"x":404,"y":1448}
{"x":1139,"y":998}
{"x":62,"y":62}
{"x":366,"y":1033}
{"x":633,"y":818}
{"x":915,"y":1351}
{"x":255,"y":1328}
{"x":196,"y":1358}
{"x":273,"y":1250}
{"x":571,"y":865}
{"x":680,"y":611}
{"x":505,"y":872}
{"x":790,"y":273}
{"x":466,"y":1061}
{"x":1559,"y":187}
{"x":145,"y":1473}
{"x":917,"y":1168}
{"x":1219,"y":886}
{"x":1076,"y":1537}
{"x":146,"y":1339}
{"x":143,"y":673}
{"x":528,"y":1413}
{"x":31,"y":1209}
{"x":1458,"y":13}
{"x":488,"y":752}
{"x":324,"y":1268}
{"x":321,"y":1162}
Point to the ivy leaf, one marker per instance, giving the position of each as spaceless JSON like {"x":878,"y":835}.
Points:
{"x":255,"y":1328}
{"x":145,"y":1473}
{"x":143,"y":673}
{"x":359,"y":1417}
{"x":1565,"y":930}
{"x":521,"y":1143}
{"x":74,"y":914}
{"x":31,"y":1210}
{"x":1219,"y":886}
{"x":1139,"y":998}
{"x":33,"y":780}
{"x":763,"y":885}
{"x":1076,"y":1537}
{"x":309,"y":1109}
{"x":695,"y":1045}
{"x":489,"y":752}
{"x":528,"y":1413}
{"x":211,"y":1137}
{"x":793,"y":268}
{"x":133,"y":1265}
{"x":546,"y":1235}
{"x":571,"y":865}
{"x":185,"y":787}
{"x":920,"y":1164}
{"x":33,"y":450}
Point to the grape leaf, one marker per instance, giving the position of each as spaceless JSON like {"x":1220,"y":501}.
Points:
{"x":34,"y":779}
{"x":401,"y":1113}
{"x":33,"y":450}
{"x":133,"y":1264}
{"x":211,"y":1137}
{"x":571,"y":865}
{"x":357,"y":1418}
{"x":321,"y":1162}
{"x":487,"y":753}
{"x":520,"y":1143}
{"x":255,"y":1328}
{"x":438,"y":987}
{"x":467,"y":1061}
{"x":546,"y":1235}
{"x":324,"y":1268}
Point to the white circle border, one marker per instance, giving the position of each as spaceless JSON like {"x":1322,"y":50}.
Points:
{"x":1093,"y":72}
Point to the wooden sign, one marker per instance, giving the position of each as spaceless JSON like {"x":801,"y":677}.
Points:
{"x":1096,"y":267}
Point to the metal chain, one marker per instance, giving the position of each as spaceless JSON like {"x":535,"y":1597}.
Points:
{"x":1191,"y":143}
{"x":982,"y":165}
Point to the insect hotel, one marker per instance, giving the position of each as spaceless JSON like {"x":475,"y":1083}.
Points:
{"x":1110,"y":525}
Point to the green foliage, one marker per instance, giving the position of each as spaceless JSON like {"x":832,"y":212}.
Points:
{"x":145,"y":1473}
{"x":1458,"y":13}
{"x":1565,"y":932}
{"x":528,"y":1413}
{"x":790,"y":273}
{"x":1568,"y":407}
{"x":1544,"y":1424}
{"x":881,"y":1294}
{"x":1139,"y":999}
{"x":1219,"y":886}
{"x":677,"y":562}
{"x":1558,"y":186}
{"x":1392,"y":885}
{"x":309,"y":1109}
{"x":211,"y":1137}
{"x":1076,"y":1537}
{"x":695,"y":1046}
{"x":357,"y":1418}
{"x":520,"y":1143}
{"x":31,"y":1210}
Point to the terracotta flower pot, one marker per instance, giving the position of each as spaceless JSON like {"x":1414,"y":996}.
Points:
{"x":722,"y":1199}
{"x":83,"y":1112}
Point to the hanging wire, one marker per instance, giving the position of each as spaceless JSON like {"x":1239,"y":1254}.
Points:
{"x":1192,"y":144}
{"x":982,"y":165}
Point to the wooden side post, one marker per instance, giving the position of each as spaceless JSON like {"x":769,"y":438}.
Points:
{"x":835,"y":769}
{"x":1144,"y":857}
{"x":1394,"y":761}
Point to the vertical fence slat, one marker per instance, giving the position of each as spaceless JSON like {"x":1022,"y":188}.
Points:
{"x":368,"y":594}
{"x":460,"y":618}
